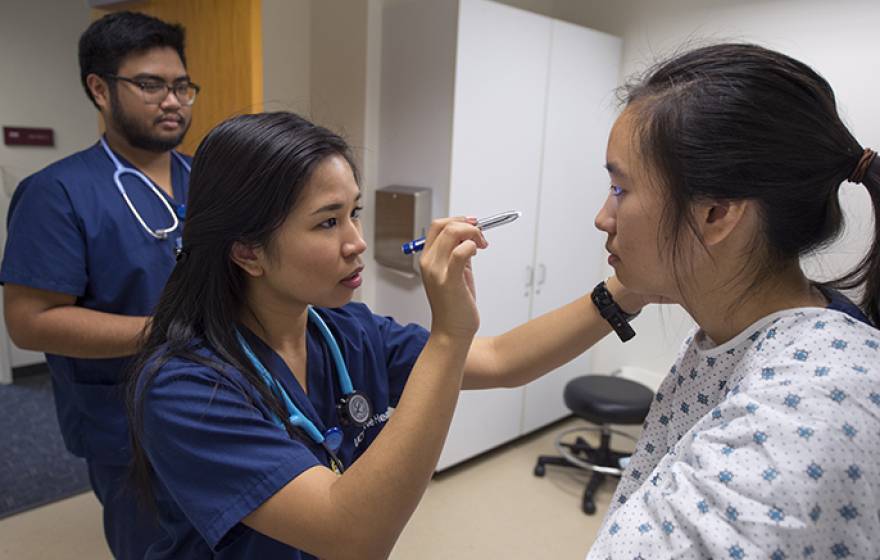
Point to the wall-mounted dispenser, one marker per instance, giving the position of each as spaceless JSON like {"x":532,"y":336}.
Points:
{"x":402,"y":214}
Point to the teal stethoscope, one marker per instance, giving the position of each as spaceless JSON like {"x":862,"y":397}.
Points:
{"x":176,"y":214}
{"x":354,"y":408}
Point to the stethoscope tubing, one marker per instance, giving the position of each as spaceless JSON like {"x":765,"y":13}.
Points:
{"x":296,"y":417}
{"x":160,"y":233}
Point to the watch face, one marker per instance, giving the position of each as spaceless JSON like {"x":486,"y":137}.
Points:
{"x":359,"y":408}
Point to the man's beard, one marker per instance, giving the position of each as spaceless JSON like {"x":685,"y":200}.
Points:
{"x":136,"y":135}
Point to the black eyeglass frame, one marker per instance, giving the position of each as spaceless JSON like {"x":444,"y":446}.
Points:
{"x":169,"y":88}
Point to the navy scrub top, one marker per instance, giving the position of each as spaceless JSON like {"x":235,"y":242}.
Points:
{"x":70,"y":231}
{"x":217,"y":453}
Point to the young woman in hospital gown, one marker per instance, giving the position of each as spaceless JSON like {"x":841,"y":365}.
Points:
{"x":272,"y":252}
{"x":762,"y":442}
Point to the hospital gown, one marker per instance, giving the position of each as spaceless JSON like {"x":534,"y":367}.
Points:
{"x":763,"y":447}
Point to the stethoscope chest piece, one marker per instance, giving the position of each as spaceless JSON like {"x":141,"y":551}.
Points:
{"x":354,"y":409}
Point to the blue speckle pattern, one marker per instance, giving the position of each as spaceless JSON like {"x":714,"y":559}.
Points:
{"x":702,"y":506}
{"x":849,"y":512}
{"x":731,"y":513}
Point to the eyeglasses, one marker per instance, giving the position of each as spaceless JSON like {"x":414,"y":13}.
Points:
{"x":154,"y":91}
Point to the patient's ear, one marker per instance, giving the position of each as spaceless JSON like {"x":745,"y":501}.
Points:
{"x":248,"y":258}
{"x":719,"y":219}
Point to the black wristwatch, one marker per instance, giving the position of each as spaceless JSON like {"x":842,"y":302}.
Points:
{"x":611,"y":312}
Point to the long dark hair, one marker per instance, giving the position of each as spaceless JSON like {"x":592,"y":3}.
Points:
{"x":247,"y":175}
{"x":739,"y":121}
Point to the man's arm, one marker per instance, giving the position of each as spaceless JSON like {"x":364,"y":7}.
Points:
{"x":51,"y":322}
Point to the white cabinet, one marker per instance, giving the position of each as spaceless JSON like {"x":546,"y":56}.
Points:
{"x":569,"y":250}
{"x":530,"y":100}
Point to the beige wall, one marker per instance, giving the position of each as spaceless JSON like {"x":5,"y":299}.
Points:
{"x":287,"y":55}
{"x":321,"y":60}
{"x":343,"y":74}
{"x":602,"y":15}
{"x":40,"y":85}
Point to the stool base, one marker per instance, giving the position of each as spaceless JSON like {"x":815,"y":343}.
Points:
{"x":602,"y":461}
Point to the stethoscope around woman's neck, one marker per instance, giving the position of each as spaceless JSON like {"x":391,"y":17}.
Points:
{"x":176,"y":215}
{"x":354,"y":407}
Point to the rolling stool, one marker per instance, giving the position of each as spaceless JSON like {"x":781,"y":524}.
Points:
{"x":600,"y":400}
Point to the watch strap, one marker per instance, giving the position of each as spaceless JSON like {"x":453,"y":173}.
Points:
{"x":611,"y":312}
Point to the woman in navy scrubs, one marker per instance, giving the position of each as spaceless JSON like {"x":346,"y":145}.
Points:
{"x":333,"y":465}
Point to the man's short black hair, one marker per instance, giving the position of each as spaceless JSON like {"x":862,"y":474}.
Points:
{"x":107,"y":41}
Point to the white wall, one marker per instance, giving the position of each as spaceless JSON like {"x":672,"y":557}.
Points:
{"x":40,"y":88}
{"x":838,"y":39}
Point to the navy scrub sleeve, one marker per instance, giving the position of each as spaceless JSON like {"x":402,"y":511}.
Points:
{"x":217,"y":453}
{"x":71,"y":232}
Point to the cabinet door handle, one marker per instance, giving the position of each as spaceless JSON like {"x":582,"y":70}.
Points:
{"x":542,"y":276}
{"x":530,"y":279}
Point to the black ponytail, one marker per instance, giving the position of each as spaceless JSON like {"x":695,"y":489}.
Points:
{"x":866,"y":274}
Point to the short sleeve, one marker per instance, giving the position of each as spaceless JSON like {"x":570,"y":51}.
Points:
{"x":218,"y":455}
{"x":45,"y":248}
{"x":402,"y":345}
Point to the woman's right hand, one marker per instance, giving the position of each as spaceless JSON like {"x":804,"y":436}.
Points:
{"x":446,"y":274}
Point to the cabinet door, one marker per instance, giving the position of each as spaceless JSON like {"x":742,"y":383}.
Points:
{"x":500,"y":92}
{"x":580,"y":110}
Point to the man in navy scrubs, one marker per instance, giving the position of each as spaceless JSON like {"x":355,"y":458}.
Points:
{"x":92,"y":242}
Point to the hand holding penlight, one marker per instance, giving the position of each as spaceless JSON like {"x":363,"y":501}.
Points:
{"x":417,"y":245}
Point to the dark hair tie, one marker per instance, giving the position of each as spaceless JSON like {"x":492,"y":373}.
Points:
{"x":858,"y":174}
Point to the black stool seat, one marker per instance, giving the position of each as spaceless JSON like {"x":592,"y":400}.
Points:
{"x":602,"y":399}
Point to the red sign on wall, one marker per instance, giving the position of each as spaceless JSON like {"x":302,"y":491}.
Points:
{"x":22,"y":136}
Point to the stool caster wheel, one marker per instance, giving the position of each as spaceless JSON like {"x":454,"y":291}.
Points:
{"x":589,"y":507}
{"x":539,"y":470}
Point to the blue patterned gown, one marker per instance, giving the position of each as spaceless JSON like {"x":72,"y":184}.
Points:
{"x":767,"y":446}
